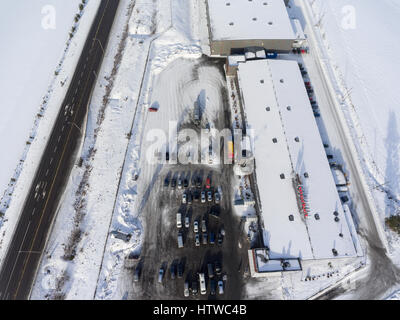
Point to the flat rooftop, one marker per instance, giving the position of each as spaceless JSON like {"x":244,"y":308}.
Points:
{"x":249,"y":20}
{"x":288,"y":146}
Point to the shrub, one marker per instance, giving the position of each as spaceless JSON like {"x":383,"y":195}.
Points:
{"x":393,"y":223}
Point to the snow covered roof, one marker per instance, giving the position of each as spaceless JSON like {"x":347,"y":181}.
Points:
{"x":249,"y":20}
{"x":288,"y":145}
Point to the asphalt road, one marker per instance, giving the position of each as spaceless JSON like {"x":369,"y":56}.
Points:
{"x":23,"y":256}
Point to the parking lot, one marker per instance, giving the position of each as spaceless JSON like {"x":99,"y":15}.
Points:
{"x":222,"y":242}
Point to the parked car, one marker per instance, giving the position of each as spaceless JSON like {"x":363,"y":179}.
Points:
{"x":212,"y":238}
{"x":198,"y":182}
{"x":208,"y":183}
{"x":210,"y":270}
{"x":197,"y":240}
{"x":173,"y":271}
{"x":218,"y":268}
{"x":180,"y":240}
{"x":161,"y":275}
{"x":204,"y":225}
{"x":187,"y":222}
{"x":220,"y":287}
{"x":203,"y":197}
{"x":166,"y":182}
{"x":196,"y":226}
{"x":205,"y":238}
{"x":179,"y":220}
{"x":136,"y":276}
{"x":220,"y":239}
{"x":179,"y":183}
{"x":213,"y":287}
{"x":173,"y":183}
{"x":196,"y":196}
{"x":186,"y":289}
{"x":209,"y":196}
{"x":185,"y":183}
{"x":184,"y":198}
{"x":195,"y":287}
{"x":217,"y":197}
{"x":180,"y":269}
{"x":153,"y":109}
{"x":189,"y":197}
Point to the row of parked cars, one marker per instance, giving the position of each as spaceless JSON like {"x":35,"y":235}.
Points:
{"x":205,"y":238}
{"x":184,"y":182}
{"x":189,"y":196}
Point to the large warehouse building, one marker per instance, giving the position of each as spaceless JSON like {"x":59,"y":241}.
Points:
{"x":301,"y":210}
{"x":238,"y":24}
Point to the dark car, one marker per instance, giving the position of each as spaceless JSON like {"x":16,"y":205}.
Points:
{"x":218,"y":268}
{"x":196,"y":196}
{"x":213,"y":287}
{"x":345,"y":199}
{"x":189,"y":197}
{"x":173,"y":271}
{"x":166,"y":182}
{"x":173,"y":183}
{"x":185,"y":183}
{"x":212,"y":238}
{"x":205,"y":238}
{"x":220,"y":239}
{"x":136,"y":276}
{"x":180,"y":270}
{"x":195,"y":287}
{"x":198,"y":182}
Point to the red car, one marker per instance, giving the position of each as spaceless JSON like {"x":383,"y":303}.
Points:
{"x":152,"y":109}
{"x":208,"y":183}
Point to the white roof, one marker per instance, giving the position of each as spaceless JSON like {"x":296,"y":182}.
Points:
{"x":277,"y":84}
{"x":298,"y":30}
{"x":245,"y":20}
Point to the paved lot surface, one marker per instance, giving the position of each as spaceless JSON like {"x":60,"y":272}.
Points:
{"x":160,"y":244}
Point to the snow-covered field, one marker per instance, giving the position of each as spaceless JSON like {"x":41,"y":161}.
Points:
{"x":37,"y":65}
{"x":28,"y":60}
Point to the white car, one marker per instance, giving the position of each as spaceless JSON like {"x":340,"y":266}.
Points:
{"x":217,"y":198}
{"x":203,"y":225}
{"x":187,"y":222}
{"x":179,"y":220}
{"x":196,"y":226}
{"x":203,"y":197}
{"x":220,"y":287}
{"x":179,"y":183}
{"x":186,"y":290}
{"x":184,"y":198}
{"x":209,"y":196}
{"x":197,"y":240}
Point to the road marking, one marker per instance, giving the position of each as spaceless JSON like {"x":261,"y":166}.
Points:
{"x":55,"y":149}
{"x":58,"y":168}
{"x":33,"y":212}
{"x":47,"y":172}
{"x":51,"y":160}
{"x":59,"y":138}
{"x":63,"y":127}
{"x":15,"y":263}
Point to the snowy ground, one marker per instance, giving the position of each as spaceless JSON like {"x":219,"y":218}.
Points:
{"x":36,"y":84}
